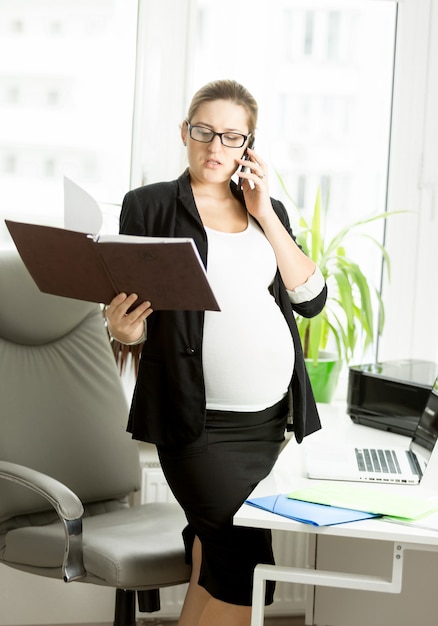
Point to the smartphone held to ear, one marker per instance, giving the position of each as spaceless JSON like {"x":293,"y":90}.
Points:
{"x":246,"y":158}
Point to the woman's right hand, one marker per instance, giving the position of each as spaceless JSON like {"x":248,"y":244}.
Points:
{"x":123,"y":326}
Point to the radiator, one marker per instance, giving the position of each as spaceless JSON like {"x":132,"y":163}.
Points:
{"x":289,"y":548}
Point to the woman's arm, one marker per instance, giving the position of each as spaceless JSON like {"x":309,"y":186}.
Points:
{"x":294,"y":266}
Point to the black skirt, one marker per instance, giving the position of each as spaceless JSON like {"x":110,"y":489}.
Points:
{"x":211,"y":478}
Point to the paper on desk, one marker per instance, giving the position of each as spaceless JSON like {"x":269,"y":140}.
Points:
{"x":370,"y":500}
{"x":306,"y":512}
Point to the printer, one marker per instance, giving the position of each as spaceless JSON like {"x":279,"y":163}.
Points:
{"x":390,"y":395}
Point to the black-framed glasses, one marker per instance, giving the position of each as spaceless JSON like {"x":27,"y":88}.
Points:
{"x":228,"y":139}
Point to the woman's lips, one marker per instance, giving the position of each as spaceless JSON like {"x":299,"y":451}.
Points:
{"x":212,"y":163}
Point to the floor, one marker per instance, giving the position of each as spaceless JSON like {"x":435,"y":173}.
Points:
{"x":297,"y":620}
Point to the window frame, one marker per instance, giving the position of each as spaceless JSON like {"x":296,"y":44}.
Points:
{"x":410,"y":329}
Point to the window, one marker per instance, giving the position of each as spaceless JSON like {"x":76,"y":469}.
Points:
{"x":308,"y":33}
{"x":66,"y":98}
{"x":322,"y":113}
{"x":320,"y":69}
{"x":333,"y":34}
{"x":323,"y":82}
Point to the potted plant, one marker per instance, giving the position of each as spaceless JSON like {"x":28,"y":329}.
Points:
{"x":348,"y":316}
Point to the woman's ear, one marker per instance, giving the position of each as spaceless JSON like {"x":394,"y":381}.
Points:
{"x":184,"y":132}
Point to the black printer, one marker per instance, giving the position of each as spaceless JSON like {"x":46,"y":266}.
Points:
{"x":390,"y":395}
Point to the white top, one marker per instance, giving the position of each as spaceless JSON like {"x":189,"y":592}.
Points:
{"x":248,"y":352}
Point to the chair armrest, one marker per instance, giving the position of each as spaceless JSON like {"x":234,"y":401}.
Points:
{"x":67,"y":505}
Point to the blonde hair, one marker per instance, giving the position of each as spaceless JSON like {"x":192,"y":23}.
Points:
{"x":226,"y":90}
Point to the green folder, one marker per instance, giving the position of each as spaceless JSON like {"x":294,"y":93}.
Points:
{"x":369,"y":500}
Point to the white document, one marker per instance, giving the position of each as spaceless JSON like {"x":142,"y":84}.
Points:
{"x":81,"y":211}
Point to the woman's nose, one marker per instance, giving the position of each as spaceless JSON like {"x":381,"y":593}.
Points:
{"x":215,"y":143}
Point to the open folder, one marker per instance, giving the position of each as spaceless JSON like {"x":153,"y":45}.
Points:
{"x":308,"y":512}
{"x":166,"y":271}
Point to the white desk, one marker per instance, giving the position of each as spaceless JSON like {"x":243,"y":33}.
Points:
{"x":288,"y":475}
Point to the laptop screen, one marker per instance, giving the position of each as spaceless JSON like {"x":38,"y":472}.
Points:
{"x":426,"y":433}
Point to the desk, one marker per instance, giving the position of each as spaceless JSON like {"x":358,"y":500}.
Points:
{"x":288,"y":474}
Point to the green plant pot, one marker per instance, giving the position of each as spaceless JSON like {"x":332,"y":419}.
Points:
{"x":324,"y":376}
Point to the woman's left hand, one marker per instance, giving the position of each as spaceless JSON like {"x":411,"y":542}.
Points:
{"x":254,"y":183}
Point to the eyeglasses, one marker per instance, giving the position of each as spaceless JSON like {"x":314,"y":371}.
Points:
{"x":228,"y":139}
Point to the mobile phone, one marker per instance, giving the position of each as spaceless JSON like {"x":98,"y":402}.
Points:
{"x":246,"y":157}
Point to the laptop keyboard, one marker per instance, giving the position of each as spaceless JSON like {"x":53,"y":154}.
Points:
{"x":376,"y":460}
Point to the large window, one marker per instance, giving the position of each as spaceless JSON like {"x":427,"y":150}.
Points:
{"x":66,"y":97}
{"x":89,"y":92}
{"x":322,"y":74}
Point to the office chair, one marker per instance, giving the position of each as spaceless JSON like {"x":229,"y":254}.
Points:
{"x":69,"y":464}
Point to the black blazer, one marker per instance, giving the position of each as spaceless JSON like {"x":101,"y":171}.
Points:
{"x":168,"y":406}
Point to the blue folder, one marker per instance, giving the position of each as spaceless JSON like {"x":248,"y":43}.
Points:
{"x":308,"y":512}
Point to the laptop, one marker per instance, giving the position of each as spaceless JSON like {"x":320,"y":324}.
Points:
{"x":351,"y":462}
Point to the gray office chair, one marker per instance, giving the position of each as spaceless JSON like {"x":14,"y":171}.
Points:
{"x":68,"y":462}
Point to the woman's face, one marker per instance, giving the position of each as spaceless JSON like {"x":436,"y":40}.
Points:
{"x":213,"y":162}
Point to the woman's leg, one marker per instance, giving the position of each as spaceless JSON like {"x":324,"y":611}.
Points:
{"x":210,"y":479}
{"x":218,"y":613}
{"x":200,"y":609}
{"x":196,"y":597}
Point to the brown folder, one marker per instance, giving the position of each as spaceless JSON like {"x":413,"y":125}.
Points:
{"x":168,"y":272}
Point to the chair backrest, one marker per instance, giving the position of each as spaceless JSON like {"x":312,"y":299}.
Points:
{"x":63,"y":410}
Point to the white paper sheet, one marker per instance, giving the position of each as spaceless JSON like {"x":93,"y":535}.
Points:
{"x":81,"y":211}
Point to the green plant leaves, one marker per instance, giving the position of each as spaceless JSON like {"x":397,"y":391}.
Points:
{"x":348,"y":315}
